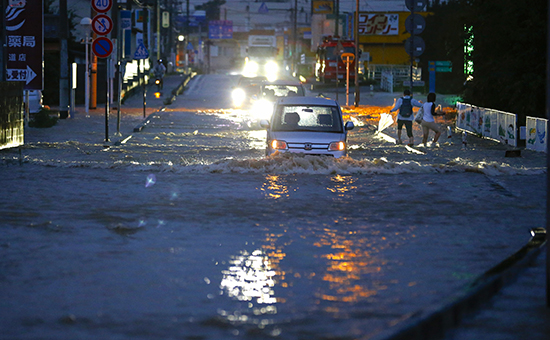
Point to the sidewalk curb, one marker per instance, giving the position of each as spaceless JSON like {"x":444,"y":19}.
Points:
{"x":147,"y":120}
{"x":434,"y":321}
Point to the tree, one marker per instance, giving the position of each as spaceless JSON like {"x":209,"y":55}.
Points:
{"x":509,"y":56}
{"x":508,"y":51}
{"x":212,"y":9}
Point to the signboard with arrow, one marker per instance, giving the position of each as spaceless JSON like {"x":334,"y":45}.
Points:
{"x":24,"y":43}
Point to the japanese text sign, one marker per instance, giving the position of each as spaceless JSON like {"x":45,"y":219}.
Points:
{"x":378,"y":24}
{"x":24,"y":40}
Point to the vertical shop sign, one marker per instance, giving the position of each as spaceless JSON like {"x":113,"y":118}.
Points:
{"x":24,"y":42}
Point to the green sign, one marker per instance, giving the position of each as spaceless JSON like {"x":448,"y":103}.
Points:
{"x":443,"y":69}
{"x":444,"y":63}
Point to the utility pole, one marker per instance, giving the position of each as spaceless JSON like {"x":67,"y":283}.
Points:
{"x":93,"y":74}
{"x":548,"y":160}
{"x":337,"y":14}
{"x":295,"y":38}
{"x":357,"y":59}
{"x":63,"y":61}
{"x":3,"y":46}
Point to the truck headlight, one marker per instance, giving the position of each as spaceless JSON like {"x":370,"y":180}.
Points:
{"x":251,"y":68}
{"x":271,"y":70}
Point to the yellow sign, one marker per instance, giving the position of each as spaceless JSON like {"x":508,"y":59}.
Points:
{"x":322,"y":7}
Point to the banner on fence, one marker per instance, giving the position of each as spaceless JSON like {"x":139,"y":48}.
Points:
{"x":536,"y":134}
{"x":497,"y":125}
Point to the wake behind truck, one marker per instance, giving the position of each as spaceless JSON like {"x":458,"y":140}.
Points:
{"x":261,"y":55}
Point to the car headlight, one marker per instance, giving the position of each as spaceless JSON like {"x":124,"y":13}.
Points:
{"x":251,"y":68}
{"x":238,"y":96}
{"x":337,"y":146}
{"x":271,"y":70}
{"x":262,"y":109}
{"x":278,"y":144}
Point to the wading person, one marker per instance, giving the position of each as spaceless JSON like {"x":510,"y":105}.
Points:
{"x":405,"y":115}
{"x":428,"y":121}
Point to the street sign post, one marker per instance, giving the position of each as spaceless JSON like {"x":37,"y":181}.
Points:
{"x":103,"y":46}
{"x":347,"y":58}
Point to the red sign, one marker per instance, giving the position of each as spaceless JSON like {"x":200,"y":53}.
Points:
{"x":102,"y":24}
{"x":102,"y":47}
{"x":102,"y":6}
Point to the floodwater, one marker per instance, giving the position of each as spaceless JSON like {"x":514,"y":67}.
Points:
{"x":187,"y":231}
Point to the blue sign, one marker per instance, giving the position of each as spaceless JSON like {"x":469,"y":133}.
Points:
{"x":263,"y":8}
{"x":141,"y":52}
{"x":102,"y":47}
{"x":125,"y":19}
{"x":220,"y":29}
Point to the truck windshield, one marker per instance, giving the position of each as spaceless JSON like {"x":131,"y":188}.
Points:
{"x":257,"y":51}
{"x":332,"y":54}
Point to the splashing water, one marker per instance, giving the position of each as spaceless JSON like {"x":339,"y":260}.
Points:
{"x":150,"y":181}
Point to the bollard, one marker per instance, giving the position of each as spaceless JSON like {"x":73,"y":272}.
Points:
{"x":464,"y":141}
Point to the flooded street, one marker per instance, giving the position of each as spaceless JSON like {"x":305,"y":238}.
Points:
{"x":187,"y":231}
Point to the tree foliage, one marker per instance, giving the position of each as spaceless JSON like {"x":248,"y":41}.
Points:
{"x":509,"y":55}
{"x":212,"y":9}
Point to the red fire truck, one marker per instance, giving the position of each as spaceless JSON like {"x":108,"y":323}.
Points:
{"x":328,"y":57}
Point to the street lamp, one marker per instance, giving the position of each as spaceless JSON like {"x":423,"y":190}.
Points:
{"x":86,"y":23}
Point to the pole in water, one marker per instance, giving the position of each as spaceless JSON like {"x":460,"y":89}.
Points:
{"x":107,"y":107}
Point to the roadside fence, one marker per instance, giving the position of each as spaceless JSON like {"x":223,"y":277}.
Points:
{"x":497,"y":125}
{"x":386,"y":82}
{"x":536,"y":131}
{"x":12,"y":125}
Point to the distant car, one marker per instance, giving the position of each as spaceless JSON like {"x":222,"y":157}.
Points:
{"x":270,"y":91}
{"x":307,"y":125}
{"x":245,"y":89}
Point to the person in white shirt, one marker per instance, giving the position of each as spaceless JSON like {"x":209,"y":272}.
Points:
{"x":428,"y":121}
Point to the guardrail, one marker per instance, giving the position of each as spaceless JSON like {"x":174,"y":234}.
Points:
{"x":497,"y":125}
{"x":386,"y":82}
{"x":536,"y":134}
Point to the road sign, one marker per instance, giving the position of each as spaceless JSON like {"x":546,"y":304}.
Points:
{"x":125,"y":19}
{"x":440,"y":66}
{"x":220,"y":29}
{"x":415,"y":46}
{"x":102,"y":47}
{"x":26,"y":75}
{"x":348,"y":57}
{"x":416,"y":5}
{"x":141,"y":52}
{"x":415,"y":83}
{"x":102,"y":6}
{"x":415,"y":24}
{"x":102,"y":24}
{"x":165,"y":19}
